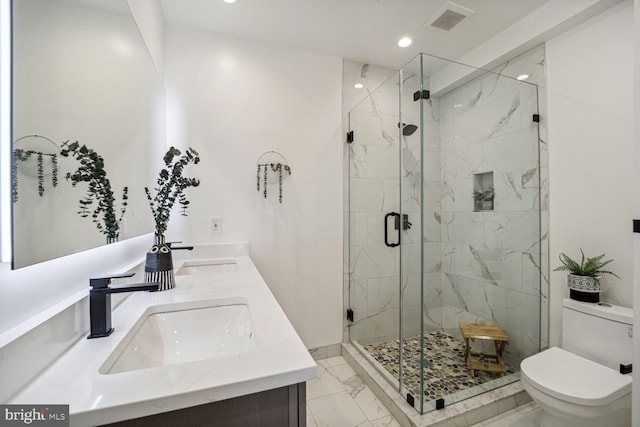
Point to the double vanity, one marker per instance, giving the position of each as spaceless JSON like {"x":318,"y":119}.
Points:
{"x":218,"y":347}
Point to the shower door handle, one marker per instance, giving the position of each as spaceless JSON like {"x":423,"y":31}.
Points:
{"x":396,"y":220}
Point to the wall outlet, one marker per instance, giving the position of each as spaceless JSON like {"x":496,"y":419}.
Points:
{"x":215,"y":225}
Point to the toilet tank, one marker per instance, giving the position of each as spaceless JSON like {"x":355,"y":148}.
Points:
{"x":598,"y":331}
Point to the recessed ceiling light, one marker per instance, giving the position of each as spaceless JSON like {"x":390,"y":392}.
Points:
{"x":229,"y":1}
{"x":404,"y":42}
{"x":522,"y":77}
{"x":358,"y":85}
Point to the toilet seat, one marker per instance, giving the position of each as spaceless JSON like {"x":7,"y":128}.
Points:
{"x":572,"y":378}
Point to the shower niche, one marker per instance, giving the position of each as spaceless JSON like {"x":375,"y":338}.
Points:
{"x":452,"y":265}
{"x":483,"y":192}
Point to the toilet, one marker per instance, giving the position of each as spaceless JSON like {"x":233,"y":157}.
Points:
{"x":581,"y":384}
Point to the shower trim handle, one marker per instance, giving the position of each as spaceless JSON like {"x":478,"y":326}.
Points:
{"x":396,"y":220}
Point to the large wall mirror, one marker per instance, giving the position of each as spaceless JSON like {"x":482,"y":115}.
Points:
{"x":81,"y":72}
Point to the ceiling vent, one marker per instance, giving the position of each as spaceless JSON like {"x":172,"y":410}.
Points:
{"x":448,"y":16}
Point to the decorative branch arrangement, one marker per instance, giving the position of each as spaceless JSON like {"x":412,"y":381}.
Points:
{"x":171,"y":186}
{"x":92,"y":171}
{"x":263,"y":170}
{"x":20,"y":155}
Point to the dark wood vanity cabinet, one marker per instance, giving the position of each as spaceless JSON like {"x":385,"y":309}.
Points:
{"x":280,"y":407}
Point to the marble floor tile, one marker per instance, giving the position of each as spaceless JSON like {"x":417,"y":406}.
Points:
{"x":337,"y":410}
{"x":385,"y":422}
{"x":311,"y":422}
{"x":339,"y":397}
{"x":370,"y":405}
{"x":333,"y":361}
{"x":325,"y":384}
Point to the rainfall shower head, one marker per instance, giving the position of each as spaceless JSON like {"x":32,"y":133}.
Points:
{"x":407,"y":130}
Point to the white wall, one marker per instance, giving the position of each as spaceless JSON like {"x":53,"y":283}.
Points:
{"x":232,"y":100}
{"x":590,"y":98}
{"x":150,"y":20}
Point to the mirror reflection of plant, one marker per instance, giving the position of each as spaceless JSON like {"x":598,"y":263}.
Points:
{"x":276,"y":168}
{"x":20,"y":155}
{"x":99,"y":200}
{"x":171,"y":186}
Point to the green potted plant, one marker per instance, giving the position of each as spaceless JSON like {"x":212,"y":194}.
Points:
{"x":483,"y":198}
{"x":99,"y":202}
{"x":584,"y":277}
{"x":171,"y":185}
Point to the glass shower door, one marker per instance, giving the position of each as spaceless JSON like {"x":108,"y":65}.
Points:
{"x":373,"y":253}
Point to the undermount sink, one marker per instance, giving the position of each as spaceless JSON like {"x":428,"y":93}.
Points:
{"x":207,"y":266}
{"x":171,"y":334}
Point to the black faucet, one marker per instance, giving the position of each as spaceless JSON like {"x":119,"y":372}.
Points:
{"x":177,"y":248}
{"x":100,"y":301}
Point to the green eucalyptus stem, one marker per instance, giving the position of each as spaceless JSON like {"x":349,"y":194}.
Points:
{"x":99,"y":200}
{"x":265,"y":181}
{"x":40,"y":174}
{"x":171,"y":186}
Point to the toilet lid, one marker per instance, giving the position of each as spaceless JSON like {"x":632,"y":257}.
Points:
{"x":573,"y":378}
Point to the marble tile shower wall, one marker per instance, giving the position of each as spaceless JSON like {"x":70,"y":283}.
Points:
{"x":491,"y":259}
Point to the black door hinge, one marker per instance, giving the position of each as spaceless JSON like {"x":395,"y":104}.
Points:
{"x":424,"y":94}
{"x":440,"y":403}
{"x":536,"y":118}
{"x":350,"y":315}
{"x":349,"y":137}
{"x":636,"y":225}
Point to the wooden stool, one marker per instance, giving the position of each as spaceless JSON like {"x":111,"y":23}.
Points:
{"x":484,"y":331}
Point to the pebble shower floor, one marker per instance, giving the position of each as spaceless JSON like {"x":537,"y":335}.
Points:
{"x":444,"y":369}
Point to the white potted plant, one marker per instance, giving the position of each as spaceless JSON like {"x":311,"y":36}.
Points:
{"x":584,"y":277}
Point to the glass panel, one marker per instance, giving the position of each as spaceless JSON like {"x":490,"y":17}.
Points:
{"x":480,"y":142}
{"x":373,"y":194}
{"x":411,"y":250}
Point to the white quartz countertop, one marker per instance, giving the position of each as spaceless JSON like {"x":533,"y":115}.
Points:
{"x":280,"y":358}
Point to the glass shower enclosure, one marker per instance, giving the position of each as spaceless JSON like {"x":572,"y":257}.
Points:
{"x":443,"y":218}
